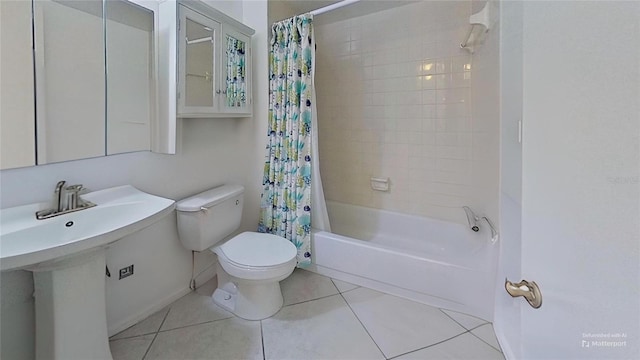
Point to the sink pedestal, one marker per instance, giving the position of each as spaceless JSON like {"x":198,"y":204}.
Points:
{"x":71,"y":316}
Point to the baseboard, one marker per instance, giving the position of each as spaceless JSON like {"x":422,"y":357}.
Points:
{"x":507,"y":351}
{"x":201,"y":278}
{"x":206,"y":275}
{"x":134,"y":319}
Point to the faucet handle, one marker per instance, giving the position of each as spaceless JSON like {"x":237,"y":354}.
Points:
{"x":78,"y":189}
{"x":472,"y":218}
{"x":74,"y":188}
{"x":73,"y":196}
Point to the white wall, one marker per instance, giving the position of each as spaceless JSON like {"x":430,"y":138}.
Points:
{"x":485,"y":114}
{"x":211,"y":152}
{"x":485,"y":135}
{"x":255,"y":16}
{"x":507,"y":322}
{"x":233,"y":8}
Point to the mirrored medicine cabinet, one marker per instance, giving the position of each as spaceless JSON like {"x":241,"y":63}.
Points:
{"x":78,"y":80}
{"x":208,"y":63}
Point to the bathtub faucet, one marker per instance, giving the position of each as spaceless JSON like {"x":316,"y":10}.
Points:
{"x":494,"y":232}
{"x":473,"y":223}
{"x":472,"y":218}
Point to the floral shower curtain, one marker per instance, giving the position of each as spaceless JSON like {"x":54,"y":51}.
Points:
{"x":286,"y":197}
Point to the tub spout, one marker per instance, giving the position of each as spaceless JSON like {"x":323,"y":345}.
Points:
{"x":472,"y":218}
{"x":494,"y":232}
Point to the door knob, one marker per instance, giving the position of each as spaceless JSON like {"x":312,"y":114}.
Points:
{"x":529,"y":290}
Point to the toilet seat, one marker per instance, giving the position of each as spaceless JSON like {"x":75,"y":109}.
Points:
{"x":257,"y":256}
{"x":258,"y":250}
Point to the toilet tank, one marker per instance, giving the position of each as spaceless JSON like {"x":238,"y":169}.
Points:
{"x":208,"y":217}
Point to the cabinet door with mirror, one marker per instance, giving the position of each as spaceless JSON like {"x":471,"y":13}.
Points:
{"x":235,"y":62}
{"x":17,"y":111}
{"x":198,"y":92}
{"x":92,"y":80}
{"x":214,"y":63}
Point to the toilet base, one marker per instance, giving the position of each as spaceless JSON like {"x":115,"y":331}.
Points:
{"x":250,"y":302}
{"x":248,"y":299}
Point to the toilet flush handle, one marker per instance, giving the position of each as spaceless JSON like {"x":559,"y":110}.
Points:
{"x":204,"y":209}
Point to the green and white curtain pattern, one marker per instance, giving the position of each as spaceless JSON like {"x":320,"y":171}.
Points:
{"x":236,"y":73}
{"x":286,"y":197}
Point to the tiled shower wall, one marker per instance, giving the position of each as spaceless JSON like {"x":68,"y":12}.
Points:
{"x":394,"y":101}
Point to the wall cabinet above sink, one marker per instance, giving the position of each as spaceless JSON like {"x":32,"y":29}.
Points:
{"x":206,"y":62}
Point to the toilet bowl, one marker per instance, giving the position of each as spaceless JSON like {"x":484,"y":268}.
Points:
{"x":250,"y":268}
{"x":250,"y":265}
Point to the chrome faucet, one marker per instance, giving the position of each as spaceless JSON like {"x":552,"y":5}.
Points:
{"x":57,"y":200}
{"x":65,"y":200}
{"x":472,"y":218}
{"x":494,"y":232}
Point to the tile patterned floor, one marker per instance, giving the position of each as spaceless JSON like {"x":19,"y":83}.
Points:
{"x":322,"y":319}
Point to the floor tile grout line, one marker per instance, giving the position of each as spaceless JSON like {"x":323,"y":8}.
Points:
{"x":481,"y":339}
{"x":428,"y":346}
{"x":132,"y":336}
{"x":196,"y":324}
{"x":335,"y":286}
{"x":113,"y":338}
{"x":264,"y":356}
{"x":473,"y":328}
{"x":464,"y":327}
{"x":355,"y":288}
{"x":306,"y":301}
{"x":156,"y":335}
{"x":346,"y":291}
{"x":364,"y":327}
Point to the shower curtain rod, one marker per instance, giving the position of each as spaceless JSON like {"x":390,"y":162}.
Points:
{"x":337,"y":5}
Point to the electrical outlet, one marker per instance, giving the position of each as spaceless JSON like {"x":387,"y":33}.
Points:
{"x":126,"y":271}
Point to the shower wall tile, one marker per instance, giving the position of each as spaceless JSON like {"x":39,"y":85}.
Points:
{"x":394,"y":100}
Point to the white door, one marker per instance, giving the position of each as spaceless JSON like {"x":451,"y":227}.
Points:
{"x":580,"y":183}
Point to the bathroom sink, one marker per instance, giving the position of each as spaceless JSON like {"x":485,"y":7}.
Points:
{"x":28,"y":243}
{"x":67,"y":255}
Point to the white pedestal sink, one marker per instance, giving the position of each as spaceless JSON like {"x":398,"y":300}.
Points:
{"x":67,"y":256}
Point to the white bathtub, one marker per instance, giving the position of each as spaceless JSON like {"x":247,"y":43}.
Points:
{"x":435,"y":262}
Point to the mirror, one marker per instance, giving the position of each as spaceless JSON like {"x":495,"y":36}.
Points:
{"x":69,"y":80}
{"x":130,"y":77}
{"x":92,"y":76}
{"x":200,"y":66}
{"x":17,"y":113}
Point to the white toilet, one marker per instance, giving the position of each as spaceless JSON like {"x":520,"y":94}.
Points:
{"x":250,"y":265}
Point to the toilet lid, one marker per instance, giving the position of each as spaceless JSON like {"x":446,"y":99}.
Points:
{"x":259,"y":249}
